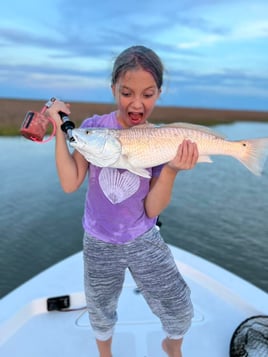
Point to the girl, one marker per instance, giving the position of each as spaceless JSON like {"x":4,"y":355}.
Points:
{"x":120,"y":223}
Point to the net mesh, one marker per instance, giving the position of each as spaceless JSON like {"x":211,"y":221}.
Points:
{"x":250,"y":339}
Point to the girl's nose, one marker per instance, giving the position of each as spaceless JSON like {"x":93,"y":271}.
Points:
{"x":137,"y":103}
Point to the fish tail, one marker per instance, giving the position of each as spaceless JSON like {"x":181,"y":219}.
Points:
{"x":254,"y":154}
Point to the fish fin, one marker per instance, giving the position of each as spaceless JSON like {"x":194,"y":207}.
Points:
{"x":255,"y":155}
{"x":191,"y":126}
{"x":204,"y":158}
{"x":145,"y":125}
{"x":124,"y":163}
{"x":139,"y":171}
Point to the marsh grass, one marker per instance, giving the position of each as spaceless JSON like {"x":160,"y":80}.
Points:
{"x":13,"y":111}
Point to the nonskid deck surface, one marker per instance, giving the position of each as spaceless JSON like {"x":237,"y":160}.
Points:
{"x":35,"y":332}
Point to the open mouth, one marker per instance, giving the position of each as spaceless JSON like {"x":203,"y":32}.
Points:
{"x":135,"y":117}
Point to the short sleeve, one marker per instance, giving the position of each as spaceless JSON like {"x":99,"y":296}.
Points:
{"x":157,"y":170}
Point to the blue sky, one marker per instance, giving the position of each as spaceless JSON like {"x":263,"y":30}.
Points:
{"x":215,"y":52}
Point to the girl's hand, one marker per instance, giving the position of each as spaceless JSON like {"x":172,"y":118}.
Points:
{"x":58,"y":106}
{"x":186,"y":157}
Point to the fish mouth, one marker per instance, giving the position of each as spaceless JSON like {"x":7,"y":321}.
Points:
{"x":78,"y":137}
{"x":135,"y":117}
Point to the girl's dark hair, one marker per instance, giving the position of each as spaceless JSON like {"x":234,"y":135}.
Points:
{"x":138,"y":57}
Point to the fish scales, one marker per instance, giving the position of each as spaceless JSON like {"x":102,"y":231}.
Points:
{"x":154,"y":146}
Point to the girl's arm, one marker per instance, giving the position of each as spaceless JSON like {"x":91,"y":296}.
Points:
{"x":71,"y":168}
{"x":160,"y":192}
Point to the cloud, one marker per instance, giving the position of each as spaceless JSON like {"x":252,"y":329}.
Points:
{"x":228,"y":81}
{"x":252,"y":30}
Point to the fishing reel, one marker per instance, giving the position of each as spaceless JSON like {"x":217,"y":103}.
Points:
{"x":35,"y":124}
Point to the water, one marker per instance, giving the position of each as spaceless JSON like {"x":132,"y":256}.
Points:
{"x":218,"y":211}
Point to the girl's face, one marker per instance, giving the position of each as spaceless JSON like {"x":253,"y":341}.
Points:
{"x":135,"y":93}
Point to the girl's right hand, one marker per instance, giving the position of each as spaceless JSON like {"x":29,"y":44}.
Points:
{"x":53,"y":111}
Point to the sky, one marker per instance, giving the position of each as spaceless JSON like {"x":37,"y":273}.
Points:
{"x":215,"y":52}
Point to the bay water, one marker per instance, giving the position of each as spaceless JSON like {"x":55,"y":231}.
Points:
{"x":218,"y":211}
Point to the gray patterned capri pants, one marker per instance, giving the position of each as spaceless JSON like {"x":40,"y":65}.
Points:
{"x":155,"y":272}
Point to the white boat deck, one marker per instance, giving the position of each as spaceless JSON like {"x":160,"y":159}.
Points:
{"x":221,"y":301}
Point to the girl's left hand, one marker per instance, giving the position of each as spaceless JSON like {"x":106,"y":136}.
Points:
{"x":186,"y":157}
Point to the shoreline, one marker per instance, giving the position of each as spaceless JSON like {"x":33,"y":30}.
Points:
{"x":13,"y":112}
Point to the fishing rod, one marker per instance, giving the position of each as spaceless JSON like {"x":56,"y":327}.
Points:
{"x":35,"y":124}
{"x":67,"y":126}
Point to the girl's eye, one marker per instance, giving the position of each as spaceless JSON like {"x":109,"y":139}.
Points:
{"x":126,"y":94}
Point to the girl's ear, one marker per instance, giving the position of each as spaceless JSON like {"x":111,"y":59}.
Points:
{"x":113,"y":89}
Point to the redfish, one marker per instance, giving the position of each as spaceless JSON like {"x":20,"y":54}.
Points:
{"x":146,"y":146}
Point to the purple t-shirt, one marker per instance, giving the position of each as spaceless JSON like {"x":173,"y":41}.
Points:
{"x":114,"y":206}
